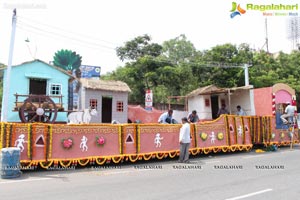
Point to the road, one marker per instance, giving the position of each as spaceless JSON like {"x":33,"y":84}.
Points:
{"x":230,"y":176}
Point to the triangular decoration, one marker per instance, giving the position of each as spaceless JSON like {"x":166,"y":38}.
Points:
{"x":39,"y":142}
{"x":129,"y":138}
{"x":246,"y":128}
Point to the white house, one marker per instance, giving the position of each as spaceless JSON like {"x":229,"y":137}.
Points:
{"x":109,"y":98}
{"x":207,"y":100}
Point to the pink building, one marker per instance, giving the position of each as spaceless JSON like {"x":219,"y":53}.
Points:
{"x":272,"y":100}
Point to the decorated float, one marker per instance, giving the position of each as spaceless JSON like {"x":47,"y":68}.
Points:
{"x":47,"y":144}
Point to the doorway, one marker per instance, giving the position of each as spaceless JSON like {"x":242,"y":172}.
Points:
{"x":106,"y":114}
{"x":214,"y":106}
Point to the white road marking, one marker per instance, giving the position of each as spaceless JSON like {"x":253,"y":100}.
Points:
{"x":27,"y":180}
{"x":250,"y":194}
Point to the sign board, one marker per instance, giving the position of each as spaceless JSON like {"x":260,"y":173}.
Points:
{"x":88,"y":71}
{"x":148,"y":100}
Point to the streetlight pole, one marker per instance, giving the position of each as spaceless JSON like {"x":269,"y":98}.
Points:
{"x":8,"y":71}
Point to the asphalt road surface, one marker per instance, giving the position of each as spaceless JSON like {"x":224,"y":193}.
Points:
{"x":229,"y":176}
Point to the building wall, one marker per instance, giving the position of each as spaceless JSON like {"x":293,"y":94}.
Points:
{"x":198,"y":103}
{"x":263,"y":101}
{"x":244,"y":99}
{"x":19,"y":83}
{"x":98,"y":94}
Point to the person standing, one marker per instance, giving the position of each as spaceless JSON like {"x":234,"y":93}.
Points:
{"x":166,"y":117}
{"x":184,"y":140}
{"x":193,"y":117}
{"x":240,"y":111}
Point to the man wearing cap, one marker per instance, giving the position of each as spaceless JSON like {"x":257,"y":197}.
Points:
{"x":184,"y":140}
{"x":289,"y":112}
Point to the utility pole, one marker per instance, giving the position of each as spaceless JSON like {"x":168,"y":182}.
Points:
{"x":245,"y":67}
{"x":8,"y":71}
{"x":246,"y":71}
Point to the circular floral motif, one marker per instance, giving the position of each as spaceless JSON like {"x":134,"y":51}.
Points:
{"x":220,"y":136}
{"x":203,"y":136}
{"x":100,"y":140}
{"x":67,"y":143}
{"x":282,"y":135}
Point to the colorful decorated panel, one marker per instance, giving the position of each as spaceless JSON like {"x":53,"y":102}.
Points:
{"x":256,"y":130}
{"x":210,"y":134}
{"x":193,"y":136}
{"x":84,"y":141}
{"x":20,"y":137}
{"x":240,"y":130}
{"x":158,"y":138}
{"x":247,"y":131}
{"x":129,"y":139}
{"x":232,"y":129}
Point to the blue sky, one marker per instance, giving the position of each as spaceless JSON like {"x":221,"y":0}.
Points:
{"x":94,"y":28}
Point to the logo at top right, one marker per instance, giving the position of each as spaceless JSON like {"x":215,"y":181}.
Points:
{"x":236,"y":10}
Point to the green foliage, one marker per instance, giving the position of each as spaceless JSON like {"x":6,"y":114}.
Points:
{"x":138,"y":47}
{"x":179,"y":68}
{"x":179,"y":50}
{"x":67,"y":60}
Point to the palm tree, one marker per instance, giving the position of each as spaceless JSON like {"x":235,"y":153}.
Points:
{"x":67,"y":60}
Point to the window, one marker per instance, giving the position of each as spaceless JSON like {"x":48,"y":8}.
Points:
{"x":93,"y":103}
{"x":207,"y":103}
{"x":120,"y":106}
{"x":55,"y":89}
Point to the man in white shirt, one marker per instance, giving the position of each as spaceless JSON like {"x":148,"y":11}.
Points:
{"x":166,"y":117}
{"x":184,"y":140}
{"x":240,"y":111}
{"x":289,"y":112}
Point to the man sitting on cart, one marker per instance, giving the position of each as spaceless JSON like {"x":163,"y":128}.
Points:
{"x":288,"y":114}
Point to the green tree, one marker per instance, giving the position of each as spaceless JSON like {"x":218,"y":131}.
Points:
{"x":179,"y":50}
{"x":264,"y":72}
{"x":179,"y":68}
{"x":228,"y":71}
{"x":137,"y":48}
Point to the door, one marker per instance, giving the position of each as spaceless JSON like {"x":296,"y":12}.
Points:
{"x":106,"y":115}
{"x":214,"y":106}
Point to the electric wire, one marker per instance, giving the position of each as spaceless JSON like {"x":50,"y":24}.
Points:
{"x":31,"y":28}
{"x":80,"y":44}
{"x":25,"y":19}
